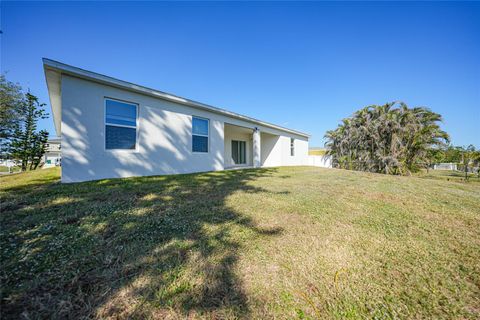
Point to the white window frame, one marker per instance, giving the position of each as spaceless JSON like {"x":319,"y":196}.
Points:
{"x":202,"y":135}
{"x":292,"y":147}
{"x":119,"y":125}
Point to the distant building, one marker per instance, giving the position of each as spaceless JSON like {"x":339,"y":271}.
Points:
{"x":7,"y":162}
{"x":53,"y":156}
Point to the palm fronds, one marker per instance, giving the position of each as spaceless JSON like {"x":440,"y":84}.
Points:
{"x":391,"y":138}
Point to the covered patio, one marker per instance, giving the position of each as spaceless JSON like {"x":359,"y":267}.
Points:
{"x":238,"y":146}
{"x":248,"y":147}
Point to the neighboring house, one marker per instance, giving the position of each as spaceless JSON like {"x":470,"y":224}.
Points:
{"x":111,"y":128}
{"x":52,"y":156}
{"x":7,"y":163}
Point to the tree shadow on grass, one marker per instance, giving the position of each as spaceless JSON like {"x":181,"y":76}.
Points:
{"x":141,"y":247}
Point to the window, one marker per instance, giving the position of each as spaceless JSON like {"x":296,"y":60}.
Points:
{"x":292,"y":147}
{"x":120,"y":125}
{"x":199,"y":134}
{"x":239,"y":152}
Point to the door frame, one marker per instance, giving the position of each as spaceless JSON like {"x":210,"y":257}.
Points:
{"x":239,"y":150}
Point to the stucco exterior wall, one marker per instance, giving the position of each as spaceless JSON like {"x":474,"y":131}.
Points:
{"x":164,"y":140}
{"x":300,"y":158}
{"x":271,"y":150}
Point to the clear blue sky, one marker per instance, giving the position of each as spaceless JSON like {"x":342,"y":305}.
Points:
{"x":302,"y":65}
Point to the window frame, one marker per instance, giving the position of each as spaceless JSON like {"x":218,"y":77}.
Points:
{"x":105,"y":124}
{"x":292,"y":147}
{"x":201,"y":135}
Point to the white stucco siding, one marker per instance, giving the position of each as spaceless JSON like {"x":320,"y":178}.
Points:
{"x":300,"y":157}
{"x":271,"y":150}
{"x":164,"y":140}
{"x":164,"y":137}
{"x":276,"y":151}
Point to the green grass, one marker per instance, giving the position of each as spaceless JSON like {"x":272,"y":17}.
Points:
{"x":6,"y":169}
{"x":449,"y":175}
{"x":284,"y":243}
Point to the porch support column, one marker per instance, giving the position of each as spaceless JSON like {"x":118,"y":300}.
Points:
{"x":257,"y":161}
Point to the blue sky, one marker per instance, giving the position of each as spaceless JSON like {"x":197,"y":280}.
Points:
{"x":304,"y":65}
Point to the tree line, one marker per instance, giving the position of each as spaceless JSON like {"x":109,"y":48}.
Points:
{"x":20,"y":139}
{"x":394,"y":139}
{"x":467,"y":158}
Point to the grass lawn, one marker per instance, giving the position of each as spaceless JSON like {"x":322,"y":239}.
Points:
{"x":449,"y":175}
{"x":6,"y":169}
{"x":317,"y":152}
{"x":284,"y":243}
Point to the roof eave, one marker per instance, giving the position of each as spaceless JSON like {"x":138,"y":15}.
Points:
{"x":53,"y":79}
{"x":61,"y":68}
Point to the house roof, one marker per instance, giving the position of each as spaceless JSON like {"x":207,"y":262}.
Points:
{"x":54,"y":140}
{"x":54,"y":69}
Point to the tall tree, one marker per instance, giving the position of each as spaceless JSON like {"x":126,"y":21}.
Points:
{"x":28,"y":145}
{"x":11,"y":97}
{"x":39,"y":146}
{"x":434,"y":155}
{"x":452,"y":154}
{"x":391,"y":138}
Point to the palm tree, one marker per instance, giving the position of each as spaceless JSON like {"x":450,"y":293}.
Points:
{"x":391,"y":138}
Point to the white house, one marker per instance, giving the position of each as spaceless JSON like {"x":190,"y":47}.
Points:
{"x":52,"y":156}
{"x":112,"y":128}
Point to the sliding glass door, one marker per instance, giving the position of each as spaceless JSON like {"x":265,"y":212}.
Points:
{"x":239,"y":152}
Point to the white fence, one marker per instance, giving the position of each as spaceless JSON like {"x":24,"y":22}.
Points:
{"x":319,"y":161}
{"x":445,"y":166}
{"x":7,"y":163}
